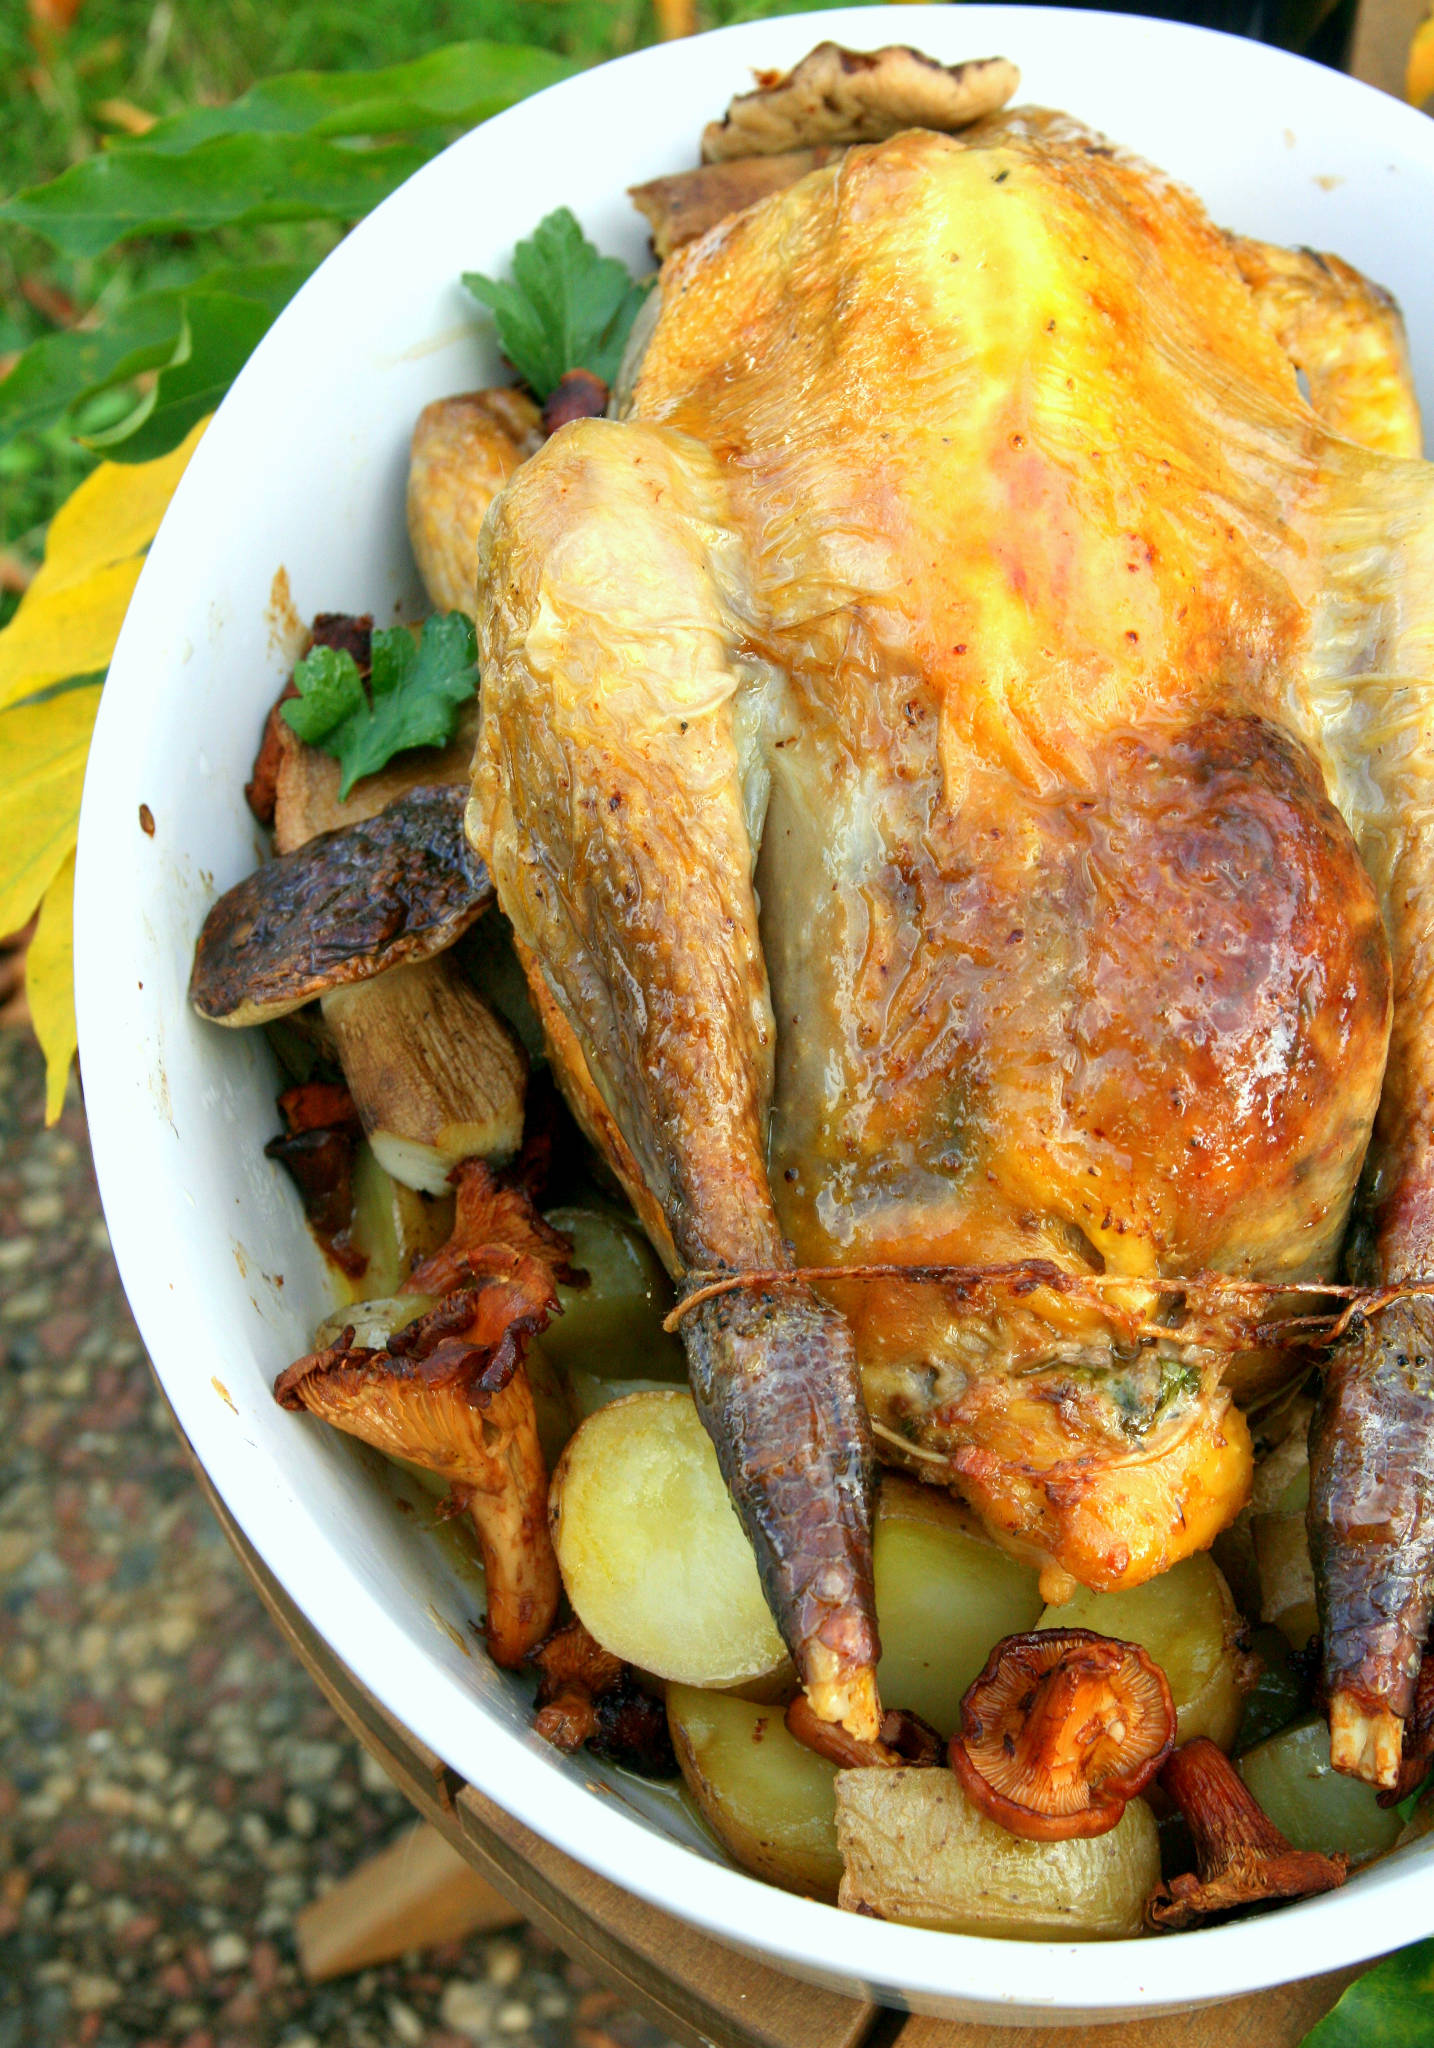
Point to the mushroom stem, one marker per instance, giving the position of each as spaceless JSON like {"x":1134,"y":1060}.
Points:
{"x":1242,"y":1859}
{"x":905,"y":1739}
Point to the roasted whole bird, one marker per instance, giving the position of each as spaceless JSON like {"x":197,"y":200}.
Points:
{"x":956,"y":757}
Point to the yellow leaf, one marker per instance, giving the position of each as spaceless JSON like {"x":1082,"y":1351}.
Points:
{"x":113,"y":514}
{"x":66,"y":632}
{"x":50,"y":985}
{"x":42,"y":770}
{"x":1419,"y":79}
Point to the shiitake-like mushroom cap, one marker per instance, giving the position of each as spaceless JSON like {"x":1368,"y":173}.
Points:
{"x":346,"y":905}
{"x":1060,"y":1729}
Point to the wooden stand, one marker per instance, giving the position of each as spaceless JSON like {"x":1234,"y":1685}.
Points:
{"x":699,"y":1991}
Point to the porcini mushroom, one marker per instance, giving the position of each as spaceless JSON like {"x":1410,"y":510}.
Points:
{"x":348,"y":905}
{"x":837,"y":95}
{"x":1060,"y":1730}
{"x":435,"y":1076}
{"x":1242,"y":1859}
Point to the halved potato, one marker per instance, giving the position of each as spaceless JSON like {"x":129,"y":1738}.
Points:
{"x":1309,"y":1801}
{"x":651,"y":1552}
{"x":917,"y":1850}
{"x":945,"y":1596}
{"x":1286,"y":1576}
{"x":770,"y":1801}
{"x":393,"y":1226}
{"x":1188,"y":1621}
{"x":612,"y":1328}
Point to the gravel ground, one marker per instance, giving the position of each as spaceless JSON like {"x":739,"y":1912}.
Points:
{"x":172,"y":1787}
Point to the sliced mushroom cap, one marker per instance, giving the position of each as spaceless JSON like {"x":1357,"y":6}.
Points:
{"x":1061,"y":1729}
{"x":349,"y":904}
{"x":306,"y":782}
{"x":837,"y":95}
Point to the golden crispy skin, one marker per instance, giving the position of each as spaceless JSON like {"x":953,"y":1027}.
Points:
{"x":1058,"y":614}
{"x":609,"y":787}
{"x":1346,"y":335}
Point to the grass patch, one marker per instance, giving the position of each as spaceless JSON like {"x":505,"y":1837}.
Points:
{"x":64,"y":98}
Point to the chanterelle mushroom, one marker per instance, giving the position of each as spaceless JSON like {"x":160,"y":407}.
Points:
{"x":956,"y":759}
{"x":1060,"y":1730}
{"x":1243,"y":1861}
{"x":837,"y":95}
{"x":450,"y":1392}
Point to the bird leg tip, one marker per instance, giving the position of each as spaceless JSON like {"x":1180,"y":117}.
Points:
{"x":1365,"y":1741}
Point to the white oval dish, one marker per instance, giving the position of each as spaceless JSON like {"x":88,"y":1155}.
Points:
{"x":303,"y":470}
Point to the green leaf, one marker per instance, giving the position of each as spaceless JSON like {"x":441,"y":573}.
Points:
{"x":1391,"y":2006}
{"x":415,"y":690}
{"x":230,"y":181}
{"x":220,"y":334}
{"x":566,"y":307}
{"x":57,"y":371}
{"x":60,"y":372}
{"x":457,"y":86}
{"x":330,"y":690}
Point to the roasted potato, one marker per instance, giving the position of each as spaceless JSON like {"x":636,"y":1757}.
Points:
{"x":915,"y":1849}
{"x":612,"y":1328}
{"x":770,"y":1801}
{"x":945,"y":1595}
{"x":393,"y":1226}
{"x":1286,"y":1576}
{"x":652,"y":1555}
{"x":1316,"y":1806}
{"x":1188,"y":1622}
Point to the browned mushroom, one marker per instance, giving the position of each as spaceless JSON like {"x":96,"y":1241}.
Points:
{"x":905,"y":1738}
{"x":587,"y":1698}
{"x":449,"y":1393}
{"x":316,"y":1150}
{"x":837,"y":95}
{"x":465,"y":449}
{"x":1061,"y":1728}
{"x":436,"y":1076}
{"x":494,"y":1217}
{"x":1242,"y":1858}
{"x":683,"y":205}
{"x":397,"y":887}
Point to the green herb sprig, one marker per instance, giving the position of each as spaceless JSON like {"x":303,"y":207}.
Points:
{"x":566,"y":306}
{"x":414,"y":694}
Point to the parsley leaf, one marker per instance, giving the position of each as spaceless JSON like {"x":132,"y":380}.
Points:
{"x":329,"y":692}
{"x":415,"y":690}
{"x":566,"y":307}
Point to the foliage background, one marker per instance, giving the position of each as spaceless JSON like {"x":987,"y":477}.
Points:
{"x":73,"y":78}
